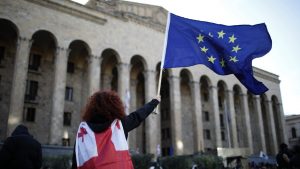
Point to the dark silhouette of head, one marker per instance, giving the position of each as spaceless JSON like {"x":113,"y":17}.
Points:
{"x":283,"y":146}
{"x":20,"y":130}
{"x":104,"y":105}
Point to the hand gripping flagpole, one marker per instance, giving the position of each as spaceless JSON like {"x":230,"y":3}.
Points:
{"x":163,"y":59}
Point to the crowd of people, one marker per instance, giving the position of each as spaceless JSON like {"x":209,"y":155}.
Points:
{"x":285,"y":159}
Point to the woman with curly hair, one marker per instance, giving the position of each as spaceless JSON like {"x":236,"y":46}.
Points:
{"x":101,"y":140}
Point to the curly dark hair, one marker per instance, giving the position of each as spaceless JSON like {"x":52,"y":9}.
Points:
{"x":103,"y":104}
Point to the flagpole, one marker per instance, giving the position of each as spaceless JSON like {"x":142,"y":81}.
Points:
{"x":163,"y":58}
{"x":159,"y":81}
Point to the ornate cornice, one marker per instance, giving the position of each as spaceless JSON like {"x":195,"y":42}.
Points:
{"x":145,"y":21}
{"x":155,"y":19}
{"x":70,"y":9}
{"x":151,"y":16}
{"x":265,"y":75}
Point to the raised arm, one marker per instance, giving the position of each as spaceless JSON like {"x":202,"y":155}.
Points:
{"x":135,"y":118}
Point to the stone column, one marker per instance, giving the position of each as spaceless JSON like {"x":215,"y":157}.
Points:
{"x":123,"y":80}
{"x":257,"y":108}
{"x":270,"y":117}
{"x":197,"y":116}
{"x":283,"y":136}
{"x":215,"y":105}
{"x":58,"y":98}
{"x":18,"y":84}
{"x":232,"y":121}
{"x":248,"y":123}
{"x":94,"y":74}
{"x":123,"y":91}
{"x":153,"y":121}
{"x":175,"y":99}
{"x":132,"y":106}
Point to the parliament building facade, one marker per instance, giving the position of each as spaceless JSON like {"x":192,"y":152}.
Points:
{"x":55,"y":53}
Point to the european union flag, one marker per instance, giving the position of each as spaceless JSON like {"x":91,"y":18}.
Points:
{"x":224,"y":49}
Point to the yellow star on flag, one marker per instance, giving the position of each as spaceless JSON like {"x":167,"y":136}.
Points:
{"x":232,"y":39}
{"x":221,"y":34}
{"x":200,"y":38}
{"x":204,"y":49}
{"x":236,"y":48}
{"x":211,"y":59}
{"x":222,"y":63}
{"x":233,"y":59}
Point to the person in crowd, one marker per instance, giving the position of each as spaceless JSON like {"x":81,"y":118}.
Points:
{"x":283,"y":157}
{"x":295,"y":160}
{"x":101,"y":141}
{"x":21,"y":151}
{"x":239,"y":164}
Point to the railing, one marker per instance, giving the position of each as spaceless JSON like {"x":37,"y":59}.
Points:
{"x":51,"y":150}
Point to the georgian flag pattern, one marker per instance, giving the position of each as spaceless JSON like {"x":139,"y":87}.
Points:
{"x":105,"y":150}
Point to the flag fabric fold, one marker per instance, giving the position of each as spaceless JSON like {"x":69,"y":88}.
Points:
{"x":223,"y":49}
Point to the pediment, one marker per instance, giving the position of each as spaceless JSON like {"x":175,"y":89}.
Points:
{"x":149,"y":15}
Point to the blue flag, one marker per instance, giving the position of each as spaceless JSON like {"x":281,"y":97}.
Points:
{"x":223,"y":49}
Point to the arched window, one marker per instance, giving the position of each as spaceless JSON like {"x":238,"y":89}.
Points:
{"x":294,"y":134}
